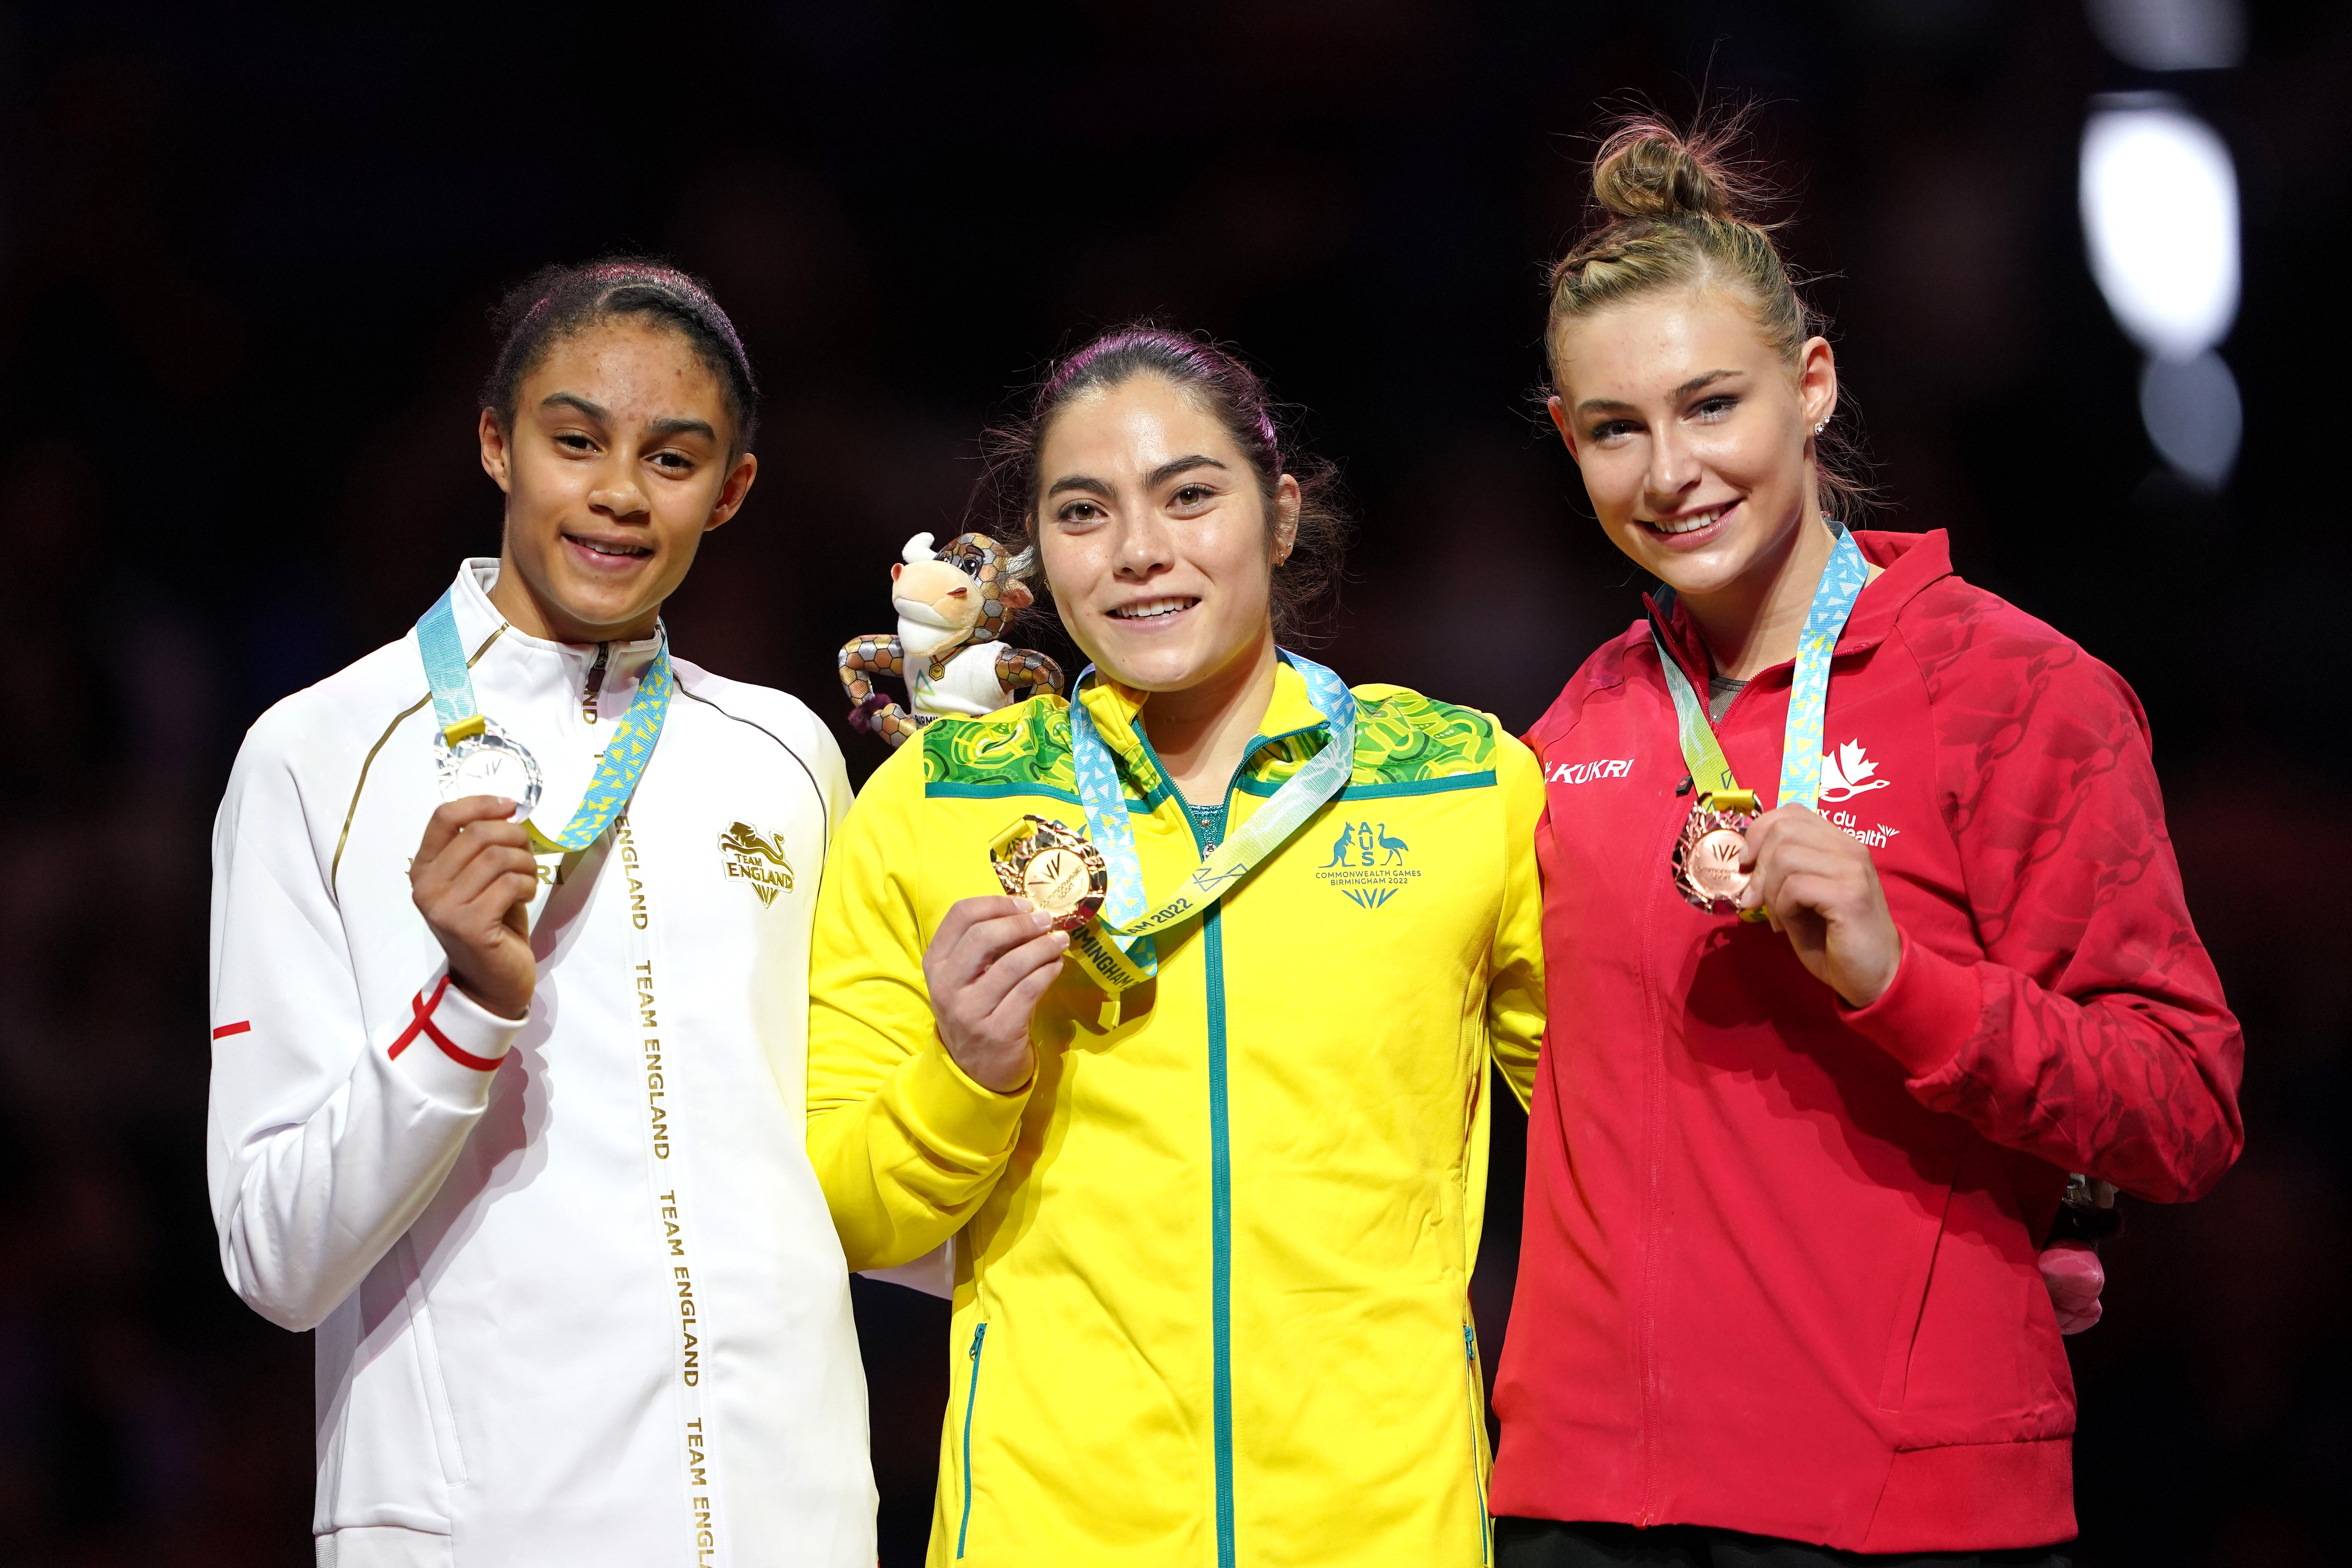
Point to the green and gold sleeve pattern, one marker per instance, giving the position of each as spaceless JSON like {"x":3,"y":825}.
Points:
{"x":1402,"y":740}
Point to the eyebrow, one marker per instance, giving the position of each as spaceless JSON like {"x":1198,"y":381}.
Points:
{"x":1603,"y":405}
{"x":681,"y":425}
{"x":1170,"y":469}
{"x":574,"y":400}
{"x":676,"y":425}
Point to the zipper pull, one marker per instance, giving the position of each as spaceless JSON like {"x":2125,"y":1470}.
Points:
{"x":978,"y":1333}
{"x":595,"y":682}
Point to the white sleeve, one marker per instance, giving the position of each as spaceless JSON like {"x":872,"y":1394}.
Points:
{"x":324,"y":1142}
{"x":832,"y":778}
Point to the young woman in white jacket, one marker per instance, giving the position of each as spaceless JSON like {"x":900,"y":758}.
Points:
{"x":492,"y":1108}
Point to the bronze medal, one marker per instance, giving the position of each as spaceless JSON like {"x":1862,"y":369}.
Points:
{"x":1055,"y":867}
{"x":1706,"y":856}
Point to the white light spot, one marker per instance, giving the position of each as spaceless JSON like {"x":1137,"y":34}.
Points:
{"x":2161,"y":214}
{"x":2172,"y":35}
{"x":2193,"y":415}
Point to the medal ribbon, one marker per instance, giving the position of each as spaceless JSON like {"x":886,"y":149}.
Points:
{"x":618,"y":769}
{"x":1116,"y":948}
{"x":1809,"y":691}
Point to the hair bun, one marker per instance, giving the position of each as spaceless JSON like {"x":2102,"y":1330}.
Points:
{"x":1644,"y":169}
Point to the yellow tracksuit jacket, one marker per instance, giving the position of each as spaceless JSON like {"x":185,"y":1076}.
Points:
{"x":1211,"y":1265}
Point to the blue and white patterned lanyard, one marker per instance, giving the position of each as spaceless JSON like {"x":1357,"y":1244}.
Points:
{"x":617,"y":770}
{"x":1117,"y":948}
{"x":1809,"y":689}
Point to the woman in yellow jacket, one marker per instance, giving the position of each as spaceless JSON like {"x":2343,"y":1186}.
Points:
{"x":1214,"y":1219}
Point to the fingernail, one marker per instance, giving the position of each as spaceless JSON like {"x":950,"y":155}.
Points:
{"x":1041,"y":917}
{"x":1060,"y":939}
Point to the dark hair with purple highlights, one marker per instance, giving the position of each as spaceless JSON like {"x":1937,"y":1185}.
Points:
{"x":1006,"y":501}
{"x":554,"y":302}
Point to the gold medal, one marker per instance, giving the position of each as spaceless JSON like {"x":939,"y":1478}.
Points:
{"x":1706,"y":856}
{"x":1057,"y":869}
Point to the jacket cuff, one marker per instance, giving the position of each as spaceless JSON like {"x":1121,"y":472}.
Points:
{"x":1927,"y":1014}
{"x":955,"y":1116}
{"x":451,"y":1045}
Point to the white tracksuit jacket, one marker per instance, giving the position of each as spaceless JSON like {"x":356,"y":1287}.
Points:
{"x":578,"y":1298}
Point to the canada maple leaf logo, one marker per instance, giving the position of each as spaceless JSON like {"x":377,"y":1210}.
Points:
{"x":1847,"y":773}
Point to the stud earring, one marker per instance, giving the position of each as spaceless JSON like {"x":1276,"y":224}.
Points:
{"x":1822,"y":427}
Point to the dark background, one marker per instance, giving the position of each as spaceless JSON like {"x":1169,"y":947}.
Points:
{"x":245,"y":252}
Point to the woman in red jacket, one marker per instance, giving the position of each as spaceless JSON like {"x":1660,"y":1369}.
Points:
{"x":1816,"y":1074}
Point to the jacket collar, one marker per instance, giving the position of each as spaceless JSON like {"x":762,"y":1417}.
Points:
{"x":1115,"y":710}
{"x":1910,"y":562}
{"x":478,"y":619}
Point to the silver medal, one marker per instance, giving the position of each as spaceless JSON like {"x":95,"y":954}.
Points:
{"x":492,"y":762}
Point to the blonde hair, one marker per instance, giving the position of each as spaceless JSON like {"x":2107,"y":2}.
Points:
{"x":1681,"y":215}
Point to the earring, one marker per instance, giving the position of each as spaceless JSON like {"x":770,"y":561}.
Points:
{"x":1822,"y":427}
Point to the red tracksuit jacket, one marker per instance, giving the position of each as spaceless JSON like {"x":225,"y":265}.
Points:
{"x":1778,"y":1267}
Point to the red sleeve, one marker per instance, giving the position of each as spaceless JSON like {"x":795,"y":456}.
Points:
{"x":2092,"y":1033}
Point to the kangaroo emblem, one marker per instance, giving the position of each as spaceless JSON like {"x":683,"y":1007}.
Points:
{"x":1341,"y":846}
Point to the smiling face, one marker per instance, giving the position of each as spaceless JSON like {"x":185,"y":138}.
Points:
{"x":1693,"y":435}
{"x":1156,"y":536}
{"x":618,"y":463}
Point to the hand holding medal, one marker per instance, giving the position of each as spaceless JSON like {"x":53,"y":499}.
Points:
{"x":477,"y":870}
{"x":1787,"y":866}
{"x":986,"y":968}
{"x":472,"y":880}
{"x":1816,"y":884}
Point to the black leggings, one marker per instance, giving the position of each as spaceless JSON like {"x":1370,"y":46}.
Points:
{"x":1547,"y":1544}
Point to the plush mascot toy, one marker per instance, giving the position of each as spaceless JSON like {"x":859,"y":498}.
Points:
{"x":951,"y":606}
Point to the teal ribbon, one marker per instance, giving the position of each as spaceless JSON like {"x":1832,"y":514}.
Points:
{"x":625,"y":756}
{"x":1117,"y":947}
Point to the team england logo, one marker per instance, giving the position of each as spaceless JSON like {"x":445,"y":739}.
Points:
{"x":1368,"y":864}
{"x":758,"y":858}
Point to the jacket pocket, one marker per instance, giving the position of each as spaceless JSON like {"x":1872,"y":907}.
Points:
{"x":1476,"y":1390}
{"x":427,"y":1349}
{"x":970,"y":1401}
{"x":1917,"y":1278}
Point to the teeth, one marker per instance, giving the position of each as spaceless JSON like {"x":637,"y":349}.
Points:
{"x":609,"y":549}
{"x":1153,"y":608}
{"x":1694,"y":522}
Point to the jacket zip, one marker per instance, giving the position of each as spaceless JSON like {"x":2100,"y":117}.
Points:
{"x":595,"y":684}
{"x":1654,"y":1067}
{"x":1477,"y":1479}
{"x":1220,"y":1175}
{"x":1221,"y":1184}
{"x":971,"y":1397}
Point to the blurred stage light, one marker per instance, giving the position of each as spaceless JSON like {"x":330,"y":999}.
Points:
{"x":2160,"y":211}
{"x":2172,"y":35}
{"x":2160,"y":217}
{"x":2193,"y":415}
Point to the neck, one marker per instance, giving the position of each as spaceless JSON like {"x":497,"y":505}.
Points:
{"x":1201,"y":732}
{"x":1757,"y":622}
{"x":535,"y":615}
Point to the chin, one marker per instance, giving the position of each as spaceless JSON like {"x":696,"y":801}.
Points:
{"x":1150,"y":668}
